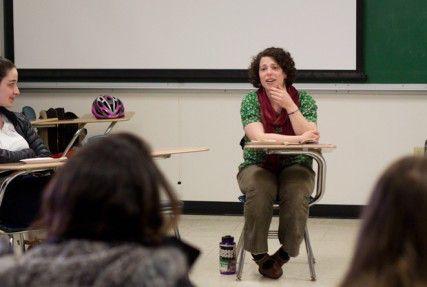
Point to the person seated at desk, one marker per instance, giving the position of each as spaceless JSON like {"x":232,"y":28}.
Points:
{"x":102,"y":214}
{"x":391,"y":249}
{"x":276,"y":111}
{"x":18,"y":140}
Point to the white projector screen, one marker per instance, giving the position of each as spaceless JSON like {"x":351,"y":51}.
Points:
{"x":170,"y":37}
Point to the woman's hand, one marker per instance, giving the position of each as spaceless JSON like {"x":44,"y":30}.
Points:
{"x":309,"y":136}
{"x":280,"y":96}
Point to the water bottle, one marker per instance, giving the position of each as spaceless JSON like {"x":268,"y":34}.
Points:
{"x":227,"y":255}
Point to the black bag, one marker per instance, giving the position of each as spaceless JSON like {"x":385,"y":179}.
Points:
{"x":59,"y":136}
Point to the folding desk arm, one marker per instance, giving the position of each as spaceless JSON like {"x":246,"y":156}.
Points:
{"x":321,"y":170}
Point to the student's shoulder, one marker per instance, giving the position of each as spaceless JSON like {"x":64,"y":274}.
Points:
{"x":168,"y":260}
{"x":20,"y":117}
{"x":8,"y":267}
{"x":12,"y":116}
{"x":153,"y":255}
{"x":7,"y":261}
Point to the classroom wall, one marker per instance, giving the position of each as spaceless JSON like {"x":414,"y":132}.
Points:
{"x":370,"y":128}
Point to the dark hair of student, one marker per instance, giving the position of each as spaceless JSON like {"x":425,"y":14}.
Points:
{"x":392,"y":244}
{"x":108,"y":191}
{"x":5,"y":67}
{"x":283,"y":59}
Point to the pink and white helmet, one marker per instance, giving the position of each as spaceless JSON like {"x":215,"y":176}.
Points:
{"x":107,"y":107}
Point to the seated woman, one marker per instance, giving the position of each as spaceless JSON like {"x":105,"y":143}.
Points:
{"x":102,"y":214}
{"x":276,"y":111}
{"x":18,"y":140}
{"x":391,"y":250}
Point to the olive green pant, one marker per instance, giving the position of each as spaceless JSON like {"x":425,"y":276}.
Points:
{"x":292,"y":188}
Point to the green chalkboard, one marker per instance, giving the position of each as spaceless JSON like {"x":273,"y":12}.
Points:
{"x":395,"y":41}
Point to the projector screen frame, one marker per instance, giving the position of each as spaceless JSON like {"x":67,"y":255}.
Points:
{"x":176,"y":75}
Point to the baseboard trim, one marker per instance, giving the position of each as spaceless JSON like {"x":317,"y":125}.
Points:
{"x":236,"y":208}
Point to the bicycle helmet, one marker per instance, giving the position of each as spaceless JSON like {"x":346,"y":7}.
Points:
{"x":107,"y":107}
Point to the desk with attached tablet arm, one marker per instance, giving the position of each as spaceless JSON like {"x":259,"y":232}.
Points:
{"x":314,"y":150}
{"x":81,"y":122}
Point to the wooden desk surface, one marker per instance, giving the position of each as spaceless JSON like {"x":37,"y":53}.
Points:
{"x":274,"y":146}
{"x":56,"y":163}
{"x":88,"y":118}
{"x":30,"y":166}
{"x":169,"y":152}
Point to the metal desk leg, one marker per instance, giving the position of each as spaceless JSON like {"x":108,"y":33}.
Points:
{"x":176,"y":232}
{"x":310,"y":255}
{"x":82,"y":131}
{"x":17,"y":243}
{"x":240,"y":252}
{"x":321,"y":169}
{"x":321,"y":179}
{"x":109,"y":128}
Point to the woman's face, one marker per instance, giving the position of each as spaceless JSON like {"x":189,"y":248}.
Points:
{"x":9,"y":88}
{"x":270,"y":73}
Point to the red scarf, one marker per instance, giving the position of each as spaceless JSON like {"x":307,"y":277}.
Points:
{"x":275,"y":123}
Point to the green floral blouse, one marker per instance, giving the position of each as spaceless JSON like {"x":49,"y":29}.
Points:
{"x":250,"y":113}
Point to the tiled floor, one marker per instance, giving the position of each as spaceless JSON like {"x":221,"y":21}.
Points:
{"x":332,"y":241}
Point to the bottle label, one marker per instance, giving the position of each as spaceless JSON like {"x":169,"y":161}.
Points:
{"x":227,"y":265}
{"x":227,"y":259}
{"x":227,"y":253}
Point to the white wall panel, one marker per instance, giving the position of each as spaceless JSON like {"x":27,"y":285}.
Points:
{"x":371,"y":129}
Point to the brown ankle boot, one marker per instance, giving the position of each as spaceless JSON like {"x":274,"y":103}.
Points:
{"x":273,"y":270}
{"x":279,"y":260}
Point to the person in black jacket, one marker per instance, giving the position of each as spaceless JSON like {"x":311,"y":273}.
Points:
{"x":18,"y":140}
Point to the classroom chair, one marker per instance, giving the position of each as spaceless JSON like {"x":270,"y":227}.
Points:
{"x":167,"y":210}
{"x":240,"y":251}
{"x":16,"y":232}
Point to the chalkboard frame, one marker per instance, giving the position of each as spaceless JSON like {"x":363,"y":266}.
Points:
{"x":175,"y":75}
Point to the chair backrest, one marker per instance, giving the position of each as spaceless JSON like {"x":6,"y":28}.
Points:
{"x":95,"y":138}
{"x":242,"y":142}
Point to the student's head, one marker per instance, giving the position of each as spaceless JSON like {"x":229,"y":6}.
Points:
{"x":108,"y":191}
{"x":392,"y":244}
{"x":8,"y":83}
{"x":274,"y":58}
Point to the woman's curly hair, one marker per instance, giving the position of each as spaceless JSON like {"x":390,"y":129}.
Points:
{"x":283,"y":59}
